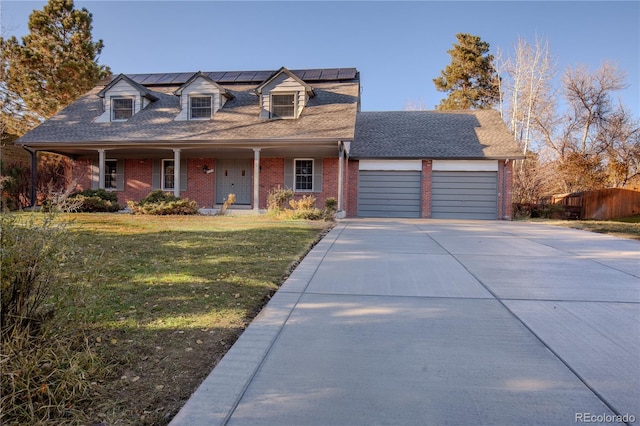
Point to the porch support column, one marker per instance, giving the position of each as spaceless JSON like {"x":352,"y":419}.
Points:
{"x":256,"y":178}
{"x":101,"y":159}
{"x":340,"y":175}
{"x":176,"y":172}
{"x":34,"y":177}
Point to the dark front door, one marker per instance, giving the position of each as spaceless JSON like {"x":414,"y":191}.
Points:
{"x":234,"y":177}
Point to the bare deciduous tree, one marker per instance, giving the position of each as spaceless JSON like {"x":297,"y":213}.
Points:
{"x":590,"y":105}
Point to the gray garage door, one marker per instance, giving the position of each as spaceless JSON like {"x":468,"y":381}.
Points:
{"x":464,"y":195}
{"x":388,"y":193}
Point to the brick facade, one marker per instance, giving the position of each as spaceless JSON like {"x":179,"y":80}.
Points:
{"x":201,"y":185}
{"x":426,"y":188}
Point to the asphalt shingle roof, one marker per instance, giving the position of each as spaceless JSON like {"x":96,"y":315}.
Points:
{"x":328,"y":115}
{"x":433,"y":134}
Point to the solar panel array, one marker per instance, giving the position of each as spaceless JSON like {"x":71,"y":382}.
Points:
{"x":246,"y":77}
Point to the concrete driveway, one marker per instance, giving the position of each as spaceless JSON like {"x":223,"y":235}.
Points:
{"x":411,"y":322}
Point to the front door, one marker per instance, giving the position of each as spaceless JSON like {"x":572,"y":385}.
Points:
{"x":234,"y":177}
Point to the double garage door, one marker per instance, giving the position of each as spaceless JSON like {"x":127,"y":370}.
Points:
{"x":454,"y":194}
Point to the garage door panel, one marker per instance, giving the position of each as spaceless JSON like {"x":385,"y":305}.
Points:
{"x":389,"y":193}
{"x":391,"y":186}
{"x":464,"y":195}
{"x":404,"y":191}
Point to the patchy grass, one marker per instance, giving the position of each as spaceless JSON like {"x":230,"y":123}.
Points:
{"x":160,"y":299}
{"x":628,"y":227}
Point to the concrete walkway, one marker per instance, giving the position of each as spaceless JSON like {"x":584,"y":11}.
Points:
{"x":412,"y":322}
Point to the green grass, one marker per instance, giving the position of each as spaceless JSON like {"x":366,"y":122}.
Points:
{"x":160,"y":299}
{"x":628,"y":227}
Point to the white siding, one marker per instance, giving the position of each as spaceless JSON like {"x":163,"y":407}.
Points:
{"x":200,"y":86}
{"x":120,"y":89}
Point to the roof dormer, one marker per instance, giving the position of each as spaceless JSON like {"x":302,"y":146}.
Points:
{"x":200,"y":98}
{"x":283,"y":95}
{"x":122,"y":99}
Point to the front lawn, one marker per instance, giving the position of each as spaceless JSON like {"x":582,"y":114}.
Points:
{"x":160,"y":299}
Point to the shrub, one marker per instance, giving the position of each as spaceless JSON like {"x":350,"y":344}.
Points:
{"x":32,"y":251}
{"x":14,"y":186}
{"x":307,"y":202}
{"x":331,"y":204}
{"x":96,"y":200}
{"x":278,"y":199}
{"x":161,"y":203}
{"x":231,"y":198}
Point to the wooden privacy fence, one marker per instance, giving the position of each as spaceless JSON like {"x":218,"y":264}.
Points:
{"x":601,"y":204}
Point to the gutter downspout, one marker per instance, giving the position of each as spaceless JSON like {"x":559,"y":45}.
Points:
{"x":34,"y":175}
{"x":340,"y":175}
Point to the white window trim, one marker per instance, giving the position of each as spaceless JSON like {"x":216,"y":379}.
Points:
{"x":133,"y":107}
{"x":162,"y":174}
{"x":115,"y":188}
{"x":200,"y":95}
{"x":313,"y":169}
{"x":295,"y":105}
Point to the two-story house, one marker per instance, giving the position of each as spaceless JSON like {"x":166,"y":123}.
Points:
{"x":205,"y":135}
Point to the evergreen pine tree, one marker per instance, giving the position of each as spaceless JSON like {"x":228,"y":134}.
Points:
{"x":55,"y":64}
{"x":471,"y":79}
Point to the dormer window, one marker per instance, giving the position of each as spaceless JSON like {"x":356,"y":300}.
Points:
{"x":121,"y":109}
{"x":283,"y":95}
{"x":200,"y":107}
{"x":283,"y":105}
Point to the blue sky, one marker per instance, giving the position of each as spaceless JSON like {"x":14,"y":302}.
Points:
{"x":398,"y":47}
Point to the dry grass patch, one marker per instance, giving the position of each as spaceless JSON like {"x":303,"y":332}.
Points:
{"x":626,"y":227}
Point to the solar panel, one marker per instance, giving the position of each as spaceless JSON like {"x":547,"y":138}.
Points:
{"x":247,"y":76}
{"x":329,"y":74}
{"x":325,"y":74}
{"x":138,"y":78}
{"x":311,"y":74}
{"x":181,"y":78}
{"x":215,"y":76}
{"x":347,"y":73}
{"x":230,"y":77}
{"x":152,"y":78}
{"x":166,"y":78}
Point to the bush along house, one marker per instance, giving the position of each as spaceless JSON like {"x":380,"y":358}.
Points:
{"x":205,"y":135}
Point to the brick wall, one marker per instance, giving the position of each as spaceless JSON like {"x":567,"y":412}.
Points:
{"x":200,"y":185}
{"x":505,"y":190}
{"x":137,"y":180}
{"x":426,"y":188}
{"x":271,"y":177}
{"x":351,"y":188}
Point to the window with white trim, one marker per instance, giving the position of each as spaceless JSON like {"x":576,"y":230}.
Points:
{"x":121,"y":109}
{"x":111,"y":174}
{"x":283,"y":105}
{"x":200,"y":107}
{"x":168,"y":175}
{"x":303,"y":175}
